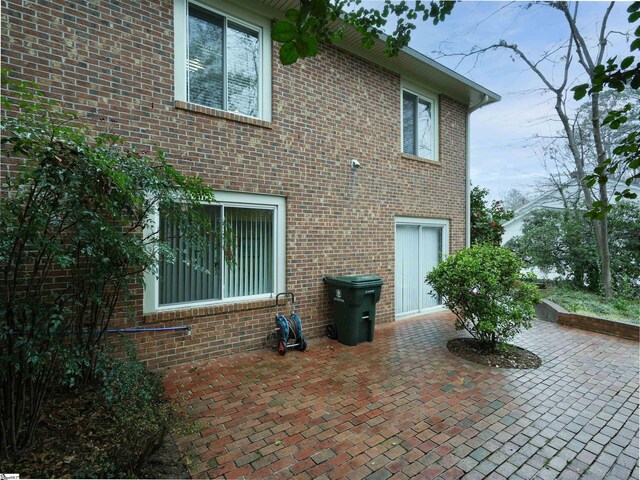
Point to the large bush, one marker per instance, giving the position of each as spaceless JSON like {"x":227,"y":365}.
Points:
{"x":558,"y":240}
{"x":624,"y":238}
{"x":484,"y":287}
{"x":487,"y":219}
{"x":76,"y":233}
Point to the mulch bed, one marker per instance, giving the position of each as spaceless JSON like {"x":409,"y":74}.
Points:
{"x":510,"y":356}
{"x":73,"y":441}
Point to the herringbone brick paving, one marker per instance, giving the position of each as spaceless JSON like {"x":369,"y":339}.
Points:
{"x":404,"y":407}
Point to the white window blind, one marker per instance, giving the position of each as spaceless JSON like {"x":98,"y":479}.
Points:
{"x":430,"y":255}
{"x":419,"y":248}
{"x":243,"y":65}
{"x":205,"y":64}
{"x":407,"y":269}
{"x":252,"y":270}
{"x":188,"y":278}
{"x":210,"y":277}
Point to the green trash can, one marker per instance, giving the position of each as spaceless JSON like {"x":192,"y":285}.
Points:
{"x":354,"y":299}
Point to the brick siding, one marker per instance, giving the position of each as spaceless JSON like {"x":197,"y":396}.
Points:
{"x":115,"y":60}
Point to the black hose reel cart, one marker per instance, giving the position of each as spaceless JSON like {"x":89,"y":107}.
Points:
{"x":288,"y":332}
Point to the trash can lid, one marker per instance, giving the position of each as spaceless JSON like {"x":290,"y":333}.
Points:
{"x":355,"y":280}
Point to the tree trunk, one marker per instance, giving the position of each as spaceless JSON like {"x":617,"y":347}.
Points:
{"x":603,"y":237}
{"x":599,"y":226}
{"x":605,"y":257}
{"x":589,"y":63}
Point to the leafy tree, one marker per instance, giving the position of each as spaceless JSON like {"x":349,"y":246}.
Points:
{"x":483,"y":286}
{"x":487,"y":220}
{"x":610,"y":101}
{"x":314,"y":22}
{"x":625,"y":241}
{"x":627,"y":152}
{"x":557,"y":240}
{"x":76,"y":234}
{"x":561,"y":240}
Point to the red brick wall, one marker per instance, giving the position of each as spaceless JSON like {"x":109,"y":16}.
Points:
{"x":115,"y":59}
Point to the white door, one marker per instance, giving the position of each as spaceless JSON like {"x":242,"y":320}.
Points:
{"x":420,"y":244}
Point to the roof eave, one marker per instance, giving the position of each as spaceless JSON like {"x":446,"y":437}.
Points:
{"x":409,"y":63}
{"x":418,"y":67}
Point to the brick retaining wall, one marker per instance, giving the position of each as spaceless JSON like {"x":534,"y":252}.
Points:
{"x":554,"y":313}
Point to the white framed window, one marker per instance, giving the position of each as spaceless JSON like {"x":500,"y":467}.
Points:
{"x":421,"y":244}
{"x":223,"y":58}
{"x":256,"y":244}
{"x":419,"y":123}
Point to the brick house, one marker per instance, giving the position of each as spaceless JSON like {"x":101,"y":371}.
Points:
{"x":202,"y":81}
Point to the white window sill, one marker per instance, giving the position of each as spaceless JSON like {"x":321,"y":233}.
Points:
{"x":188,"y":312}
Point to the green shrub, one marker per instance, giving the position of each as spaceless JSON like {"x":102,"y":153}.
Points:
{"x":620,"y":308}
{"x":484,"y":287}
{"x":76,"y":233}
{"x":141,"y":414}
{"x":563,"y":241}
{"x":106,"y":430}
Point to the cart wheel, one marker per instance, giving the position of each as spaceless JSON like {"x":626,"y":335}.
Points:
{"x":282,"y":347}
{"x":303,"y":344}
{"x":332,"y":333}
{"x":272,"y":340}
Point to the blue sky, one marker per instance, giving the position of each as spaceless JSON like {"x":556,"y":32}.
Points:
{"x":504,"y":152}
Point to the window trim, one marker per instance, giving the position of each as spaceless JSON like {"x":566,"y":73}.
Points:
{"x":432,"y":98}
{"x":234,"y":14}
{"x":151,"y":296}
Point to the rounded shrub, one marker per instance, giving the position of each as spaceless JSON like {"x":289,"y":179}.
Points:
{"x":485,"y":289}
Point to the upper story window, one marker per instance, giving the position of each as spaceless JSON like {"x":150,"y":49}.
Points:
{"x":223,"y":58}
{"x":419,"y":125}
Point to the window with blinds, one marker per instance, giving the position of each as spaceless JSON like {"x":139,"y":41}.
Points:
{"x":223,"y":62}
{"x":238,"y":265}
{"x":418,"y":132}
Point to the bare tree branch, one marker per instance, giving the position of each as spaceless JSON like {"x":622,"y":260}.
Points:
{"x":574,"y":134}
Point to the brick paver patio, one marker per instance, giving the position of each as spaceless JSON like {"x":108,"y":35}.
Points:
{"x":403,"y":407}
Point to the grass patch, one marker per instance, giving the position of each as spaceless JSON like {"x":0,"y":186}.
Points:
{"x":588,"y":303}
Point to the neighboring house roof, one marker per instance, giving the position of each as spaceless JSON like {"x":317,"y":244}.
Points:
{"x":408,"y":62}
{"x":552,"y":200}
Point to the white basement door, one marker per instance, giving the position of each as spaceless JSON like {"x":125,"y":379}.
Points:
{"x":419,"y":248}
